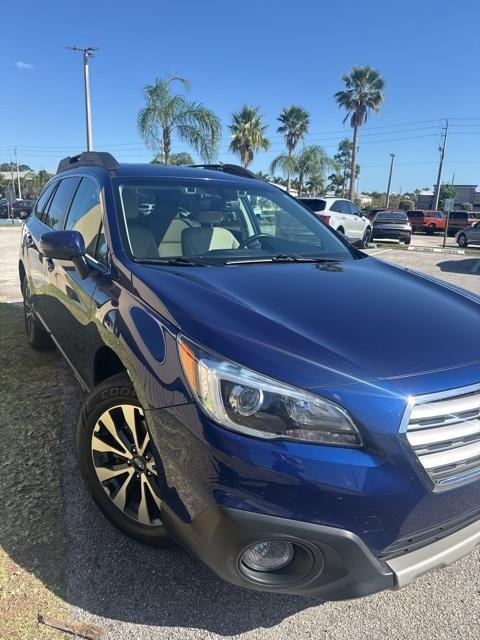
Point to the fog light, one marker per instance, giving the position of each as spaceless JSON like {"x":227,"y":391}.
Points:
{"x":269,"y":555}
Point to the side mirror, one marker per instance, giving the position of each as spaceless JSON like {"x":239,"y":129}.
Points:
{"x":65,"y":245}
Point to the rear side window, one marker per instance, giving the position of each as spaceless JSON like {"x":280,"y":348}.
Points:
{"x":43,"y":200}
{"x":85,"y":215}
{"x":60,"y":202}
{"x":314,"y":204}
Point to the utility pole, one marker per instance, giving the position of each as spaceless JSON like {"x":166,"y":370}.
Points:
{"x":440,"y":167}
{"x":88,"y":53}
{"x":18,"y":175}
{"x":387,"y":199}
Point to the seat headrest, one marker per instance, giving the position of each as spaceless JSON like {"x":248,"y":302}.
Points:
{"x":208,"y":217}
{"x":130,"y":204}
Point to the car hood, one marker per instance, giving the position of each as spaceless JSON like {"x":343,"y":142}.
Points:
{"x":319,"y":324}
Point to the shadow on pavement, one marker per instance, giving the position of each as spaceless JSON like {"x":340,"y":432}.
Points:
{"x":460,"y":266}
{"x":49,"y":525}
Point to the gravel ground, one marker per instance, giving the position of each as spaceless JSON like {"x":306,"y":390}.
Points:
{"x":134,"y":592}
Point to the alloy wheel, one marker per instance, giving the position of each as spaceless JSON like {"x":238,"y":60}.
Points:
{"x":123,"y":462}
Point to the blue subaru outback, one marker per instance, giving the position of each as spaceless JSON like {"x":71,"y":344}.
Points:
{"x":256,"y":388}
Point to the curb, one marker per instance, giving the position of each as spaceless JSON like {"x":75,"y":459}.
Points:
{"x":459,"y":252}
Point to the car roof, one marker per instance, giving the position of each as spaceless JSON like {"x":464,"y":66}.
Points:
{"x":326,"y":198}
{"x":147,"y":170}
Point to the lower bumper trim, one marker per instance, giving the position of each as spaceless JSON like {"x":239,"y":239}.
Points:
{"x":342,"y":567}
{"x":437,"y":555}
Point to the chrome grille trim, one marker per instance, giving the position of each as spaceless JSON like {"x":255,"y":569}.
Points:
{"x":444,"y":434}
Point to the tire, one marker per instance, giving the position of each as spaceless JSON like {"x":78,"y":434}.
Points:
{"x":367,"y":236}
{"x":340,"y":230}
{"x":408,"y":240}
{"x":122,"y":479}
{"x":431,"y":229}
{"x":462,"y":240}
{"x":37,"y":336}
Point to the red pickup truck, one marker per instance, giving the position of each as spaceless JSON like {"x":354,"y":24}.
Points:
{"x":434,"y":221}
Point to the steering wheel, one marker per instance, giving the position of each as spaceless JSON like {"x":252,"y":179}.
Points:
{"x":246,"y":244}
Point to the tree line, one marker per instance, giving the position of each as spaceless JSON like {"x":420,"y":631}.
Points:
{"x":167,"y":114}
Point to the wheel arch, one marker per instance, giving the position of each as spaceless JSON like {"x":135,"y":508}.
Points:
{"x":106,"y":364}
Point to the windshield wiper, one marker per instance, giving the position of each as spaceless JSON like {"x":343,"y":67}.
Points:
{"x":179,"y":261}
{"x":280,"y":258}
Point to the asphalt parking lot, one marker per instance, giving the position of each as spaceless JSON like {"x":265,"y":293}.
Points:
{"x":135,"y":592}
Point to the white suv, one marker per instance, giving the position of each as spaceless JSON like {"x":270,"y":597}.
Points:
{"x":341,"y":214}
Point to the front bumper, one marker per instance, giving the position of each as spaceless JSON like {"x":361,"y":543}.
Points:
{"x":339,"y":566}
{"x":437,"y":555}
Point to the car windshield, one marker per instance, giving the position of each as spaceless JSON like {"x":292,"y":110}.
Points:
{"x":197,"y":220}
{"x":392,"y":215}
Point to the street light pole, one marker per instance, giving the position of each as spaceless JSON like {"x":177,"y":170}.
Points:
{"x":387,"y":199}
{"x":88,"y":53}
{"x":18,"y":176}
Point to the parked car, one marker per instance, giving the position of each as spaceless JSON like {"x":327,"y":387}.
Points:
{"x":19,"y":208}
{"x":392,"y":225}
{"x":468,"y":235}
{"x":434,"y":221}
{"x":457,"y":220}
{"x":22,"y":208}
{"x":417,"y":220}
{"x":4,"y":207}
{"x":229,"y":405}
{"x":341,"y":214}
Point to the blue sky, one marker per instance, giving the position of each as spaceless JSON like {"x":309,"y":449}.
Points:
{"x":264,"y":53}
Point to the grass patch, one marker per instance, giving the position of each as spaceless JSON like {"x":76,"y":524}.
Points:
{"x":36,"y":393}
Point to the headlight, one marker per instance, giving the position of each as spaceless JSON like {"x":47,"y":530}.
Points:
{"x":248,"y":402}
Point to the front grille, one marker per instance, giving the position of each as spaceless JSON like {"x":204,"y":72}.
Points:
{"x":428,"y":536}
{"x":445,"y":436}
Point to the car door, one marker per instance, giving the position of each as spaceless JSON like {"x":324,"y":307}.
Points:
{"x":340,"y":220}
{"x":31,"y":245}
{"x":357,"y":223}
{"x":71,"y":295}
{"x":473,"y":233}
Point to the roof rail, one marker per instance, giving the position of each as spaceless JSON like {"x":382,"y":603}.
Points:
{"x":89,"y":159}
{"x":234,"y":169}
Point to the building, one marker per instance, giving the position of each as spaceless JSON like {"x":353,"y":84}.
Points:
{"x":424,"y":200}
{"x":363,"y":200}
{"x":463,"y":193}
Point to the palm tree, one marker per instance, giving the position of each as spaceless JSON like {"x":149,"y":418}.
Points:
{"x":287,"y":164}
{"x":363,"y":93}
{"x":248,"y":133}
{"x":294,"y":123}
{"x":166,"y":114}
{"x":336,"y":183}
{"x":311,"y":161}
{"x":182,"y":158}
{"x":316,"y":184}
